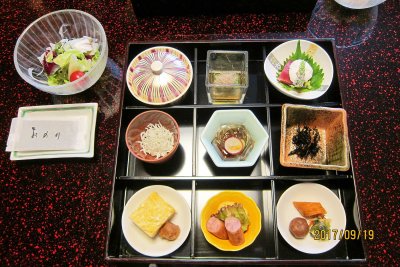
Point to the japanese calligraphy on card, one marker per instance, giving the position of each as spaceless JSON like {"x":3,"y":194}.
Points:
{"x":47,"y":134}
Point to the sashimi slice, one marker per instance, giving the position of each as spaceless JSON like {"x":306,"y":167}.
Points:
{"x":284,"y":76}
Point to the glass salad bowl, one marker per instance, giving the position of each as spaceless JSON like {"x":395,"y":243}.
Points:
{"x":51,"y":32}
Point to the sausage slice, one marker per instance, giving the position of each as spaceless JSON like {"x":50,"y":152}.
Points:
{"x":216,"y":227}
{"x":235,"y":232}
{"x":169,"y":231}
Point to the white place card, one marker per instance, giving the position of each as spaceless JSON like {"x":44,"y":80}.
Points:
{"x":29,"y":134}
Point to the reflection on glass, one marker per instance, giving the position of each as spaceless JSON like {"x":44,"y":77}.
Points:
{"x":349,"y":27}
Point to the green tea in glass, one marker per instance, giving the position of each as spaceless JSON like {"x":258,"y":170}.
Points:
{"x":227,"y":76}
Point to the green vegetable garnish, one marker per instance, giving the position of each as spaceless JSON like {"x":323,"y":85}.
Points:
{"x":320,"y":229}
{"x":236,"y":210}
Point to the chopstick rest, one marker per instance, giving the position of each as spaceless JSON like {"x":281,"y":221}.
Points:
{"x":33,"y":134}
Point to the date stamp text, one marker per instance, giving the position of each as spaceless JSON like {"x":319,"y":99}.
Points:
{"x":336,"y":234}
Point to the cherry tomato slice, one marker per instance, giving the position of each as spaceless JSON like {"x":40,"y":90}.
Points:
{"x":76,"y":75}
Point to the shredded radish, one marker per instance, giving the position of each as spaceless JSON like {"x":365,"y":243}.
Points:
{"x":30,"y":72}
{"x":157,"y":140}
{"x":61,"y":31}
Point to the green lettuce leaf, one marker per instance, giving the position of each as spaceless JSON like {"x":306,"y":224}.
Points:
{"x":96,"y":56}
{"x":59,"y":77}
{"x":58,"y":47}
{"x":63,"y":59}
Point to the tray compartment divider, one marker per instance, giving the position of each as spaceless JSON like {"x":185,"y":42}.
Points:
{"x":264,"y":56}
{"x":194,"y":219}
{"x":270,"y":143}
{"x":274,"y":225}
{"x":195,"y":76}
{"x":194,"y":143}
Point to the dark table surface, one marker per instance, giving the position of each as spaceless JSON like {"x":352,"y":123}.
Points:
{"x":56,"y":211}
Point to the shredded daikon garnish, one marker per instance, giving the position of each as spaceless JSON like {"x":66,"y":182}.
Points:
{"x":61,"y":31}
{"x":30,"y":73}
{"x":157,"y":140}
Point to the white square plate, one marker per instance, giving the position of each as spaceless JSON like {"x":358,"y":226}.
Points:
{"x":88,"y":110}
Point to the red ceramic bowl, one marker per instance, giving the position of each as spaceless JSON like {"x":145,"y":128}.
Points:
{"x":139,"y":124}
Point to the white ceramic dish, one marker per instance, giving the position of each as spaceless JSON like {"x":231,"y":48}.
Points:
{"x":88,"y":110}
{"x":234,"y":116}
{"x":156,"y":247}
{"x":279,"y":54}
{"x":314,"y":193}
{"x":159,"y":75}
{"x":359,"y":4}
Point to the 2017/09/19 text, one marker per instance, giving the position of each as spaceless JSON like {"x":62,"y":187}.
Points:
{"x":335,"y":234}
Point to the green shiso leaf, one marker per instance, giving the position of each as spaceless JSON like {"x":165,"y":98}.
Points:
{"x":318,"y":74}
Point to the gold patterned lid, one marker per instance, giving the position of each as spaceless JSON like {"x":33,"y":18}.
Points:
{"x":159,"y":75}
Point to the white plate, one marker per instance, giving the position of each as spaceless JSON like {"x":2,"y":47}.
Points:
{"x":359,"y":4}
{"x":88,"y":110}
{"x":279,"y":54}
{"x":156,"y":247}
{"x":314,"y":193}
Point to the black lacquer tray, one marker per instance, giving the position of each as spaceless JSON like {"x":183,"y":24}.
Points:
{"x":192,"y":172}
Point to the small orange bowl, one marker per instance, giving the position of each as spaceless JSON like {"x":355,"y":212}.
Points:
{"x":249,"y":205}
{"x":139,"y":124}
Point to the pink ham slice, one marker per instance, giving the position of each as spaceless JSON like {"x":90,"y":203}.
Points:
{"x":217,"y":227}
{"x":235,"y":232}
{"x":284,"y":76}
